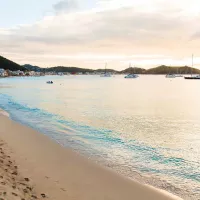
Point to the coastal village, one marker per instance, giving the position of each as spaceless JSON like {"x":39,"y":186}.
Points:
{"x":9,"y":68}
{"x":8,"y":73}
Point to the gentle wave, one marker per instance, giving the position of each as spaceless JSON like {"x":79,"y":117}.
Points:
{"x":104,"y":144}
{"x":3,"y":112}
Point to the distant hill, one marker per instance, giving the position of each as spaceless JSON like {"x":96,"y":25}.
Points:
{"x":68,"y":69}
{"x":135,"y":70}
{"x":163,"y":69}
{"x":107,"y":70}
{"x":174,"y":70}
{"x":33,"y":68}
{"x":10,"y":65}
{"x":64,"y":69}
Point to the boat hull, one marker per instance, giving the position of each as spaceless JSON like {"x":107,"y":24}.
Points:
{"x":192,"y":78}
{"x":170,"y":76}
{"x":106,"y":75}
{"x":131,"y":76}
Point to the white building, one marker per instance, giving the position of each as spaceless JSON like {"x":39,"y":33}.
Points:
{"x":18,"y":73}
{"x":3,"y":72}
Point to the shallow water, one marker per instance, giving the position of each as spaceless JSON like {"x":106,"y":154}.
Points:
{"x":146,"y":128}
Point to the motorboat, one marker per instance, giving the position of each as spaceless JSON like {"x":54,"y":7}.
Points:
{"x":106,"y":75}
{"x":170,"y":76}
{"x":131,"y":76}
{"x":179,"y":75}
{"x":192,"y":77}
{"x":49,"y":82}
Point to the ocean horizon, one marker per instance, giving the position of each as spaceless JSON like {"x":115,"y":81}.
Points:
{"x":146,"y":129}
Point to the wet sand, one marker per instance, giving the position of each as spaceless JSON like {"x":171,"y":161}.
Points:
{"x":34,"y":165}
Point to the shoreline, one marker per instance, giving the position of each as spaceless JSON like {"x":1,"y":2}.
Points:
{"x":63,"y":174}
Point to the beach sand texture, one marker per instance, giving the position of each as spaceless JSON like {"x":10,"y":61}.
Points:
{"x":12,"y":184}
{"x":33,"y":166}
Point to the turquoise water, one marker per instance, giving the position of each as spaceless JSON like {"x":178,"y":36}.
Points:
{"x":147,"y":129}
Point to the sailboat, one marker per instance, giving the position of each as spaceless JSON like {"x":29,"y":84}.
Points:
{"x":192,"y":77}
{"x":170,"y":75}
{"x":131,"y":75}
{"x":178,"y":74}
{"x":106,"y":74}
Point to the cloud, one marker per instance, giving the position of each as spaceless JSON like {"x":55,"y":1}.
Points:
{"x":86,"y":28}
{"x":121,"y":31}
{"x":65,"y":6}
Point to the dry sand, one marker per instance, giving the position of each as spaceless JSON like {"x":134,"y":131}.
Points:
{"x":58,"y":172}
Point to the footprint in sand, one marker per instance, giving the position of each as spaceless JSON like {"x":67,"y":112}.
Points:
{"x":25,"y":191}
{"x":14,"y":194}
{"x":33,"y":196}
{"x":14,"y":186}
{"x":26,"y":179}
{"x":43,"y":195}
{"x":29,"y":188}
{"x":3,"y":183}
{"x":15,"y":173}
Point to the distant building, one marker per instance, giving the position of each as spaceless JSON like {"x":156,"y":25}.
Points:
{"x":18,"y":73}
{"x":50,"y":73}
{"x":31,"y":73}
{"x":60,"y":74}
{"x":3,"y":73}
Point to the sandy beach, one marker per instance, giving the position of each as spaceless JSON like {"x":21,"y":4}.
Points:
{"x":33,"y":166}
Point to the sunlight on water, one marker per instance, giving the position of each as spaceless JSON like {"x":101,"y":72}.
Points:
{"x":149,"y":126}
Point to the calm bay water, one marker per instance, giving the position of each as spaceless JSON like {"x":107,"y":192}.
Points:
{"x":146,"y":128}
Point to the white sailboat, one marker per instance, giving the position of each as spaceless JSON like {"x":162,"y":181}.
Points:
{"x":106,"y":74}
{"x":178,"y":74}
{"x":170,"y":75}
{"x":192,"y":77}
{"x":132,"y":75}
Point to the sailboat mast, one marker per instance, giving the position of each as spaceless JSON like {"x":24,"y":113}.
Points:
{"x":192,"y":59}
{"x":105,"y":67}
{"x":192,"y":64}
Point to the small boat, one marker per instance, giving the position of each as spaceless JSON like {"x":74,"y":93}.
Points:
{"x":179,"y":75}
{"x":197,"y":77}
{"x":193,"y":77}
{"x":170,"y":76}
{"x":131,"y":76}
{"x":105,"y":74}
{"x":49,"y":82}
{"x":60,"y":74}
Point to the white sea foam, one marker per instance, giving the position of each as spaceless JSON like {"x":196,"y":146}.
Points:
{"x":3,"y":112}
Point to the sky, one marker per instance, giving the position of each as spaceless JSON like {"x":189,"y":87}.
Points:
{"x":90,"y":33}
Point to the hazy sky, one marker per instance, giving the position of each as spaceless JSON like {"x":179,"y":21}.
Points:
{"x":88,"y":33}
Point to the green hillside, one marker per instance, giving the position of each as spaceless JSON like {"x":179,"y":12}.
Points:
{"x":10,"y":65}
{"x":135,"y":70}
{"x":172,"y":70}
